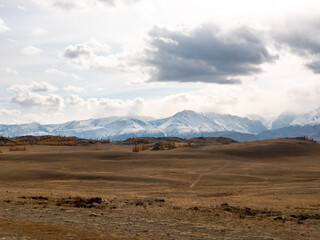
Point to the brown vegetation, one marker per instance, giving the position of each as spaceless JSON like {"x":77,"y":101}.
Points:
{"x":49,"y":141}
{"x":136,"y":149}
{"x":144,"y":147}
{"x":171,"y":145}
{"x":254,"y":190}
{"x":17,"y":149}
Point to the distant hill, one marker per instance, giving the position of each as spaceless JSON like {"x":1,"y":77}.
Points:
{"x":185,"y":124}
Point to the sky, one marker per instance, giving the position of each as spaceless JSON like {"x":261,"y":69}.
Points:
{"x":63,"y":60}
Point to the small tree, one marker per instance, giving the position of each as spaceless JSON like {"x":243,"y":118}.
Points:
{"x":136,"y":149}
{"x":161,"y":147}
{"x":171,"y":145}
{"x":144,"y":147}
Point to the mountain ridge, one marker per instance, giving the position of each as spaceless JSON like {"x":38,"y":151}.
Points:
{"x":183,"y":124}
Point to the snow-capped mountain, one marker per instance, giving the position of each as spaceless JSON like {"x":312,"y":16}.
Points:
{"x":311,"y":118}
{"x":182,"y":124}
{"x":283,"y":120}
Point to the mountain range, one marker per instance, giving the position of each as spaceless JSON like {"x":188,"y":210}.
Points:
{"x":185,"y":124}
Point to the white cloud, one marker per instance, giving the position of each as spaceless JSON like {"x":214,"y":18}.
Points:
{"x":73,"y":4}
{"x":33,"y":87}
{"x":38,"y":32}
{"x":54,"y":71}
{"x":157,"y":107}
{"x":74,"y":89}
{"x":3,"y":26}
{"x":58,"y":72}
{"x":11,"y":112}
{"x":101,"y":107}
{"x":30,"y":50}
{"x":11,"y":71}
{"x":75,"y":100}
{"x":42,"y":87}
{"x":22,"y":8}
{"x":31,"y":99}
{"x":28,"y":95}
{"x":93,"y":55}
{"x":9,"y":116}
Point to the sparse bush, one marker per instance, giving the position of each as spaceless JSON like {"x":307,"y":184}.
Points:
{"x":80,"y":202}
{"x":15,"y":149}
{"x":171,"y":145}
{"x":162,"y":146}
{"x":96,"y":149}
{"x":103,"y":141}
{"x":136,"y":149}
{"x":93,"y":141}
{"x":144,"y":147}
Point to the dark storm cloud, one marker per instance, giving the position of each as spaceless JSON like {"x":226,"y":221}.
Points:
{"x":205,"y":54}
{"x":314,"y":66}
{"x":302,"y":39}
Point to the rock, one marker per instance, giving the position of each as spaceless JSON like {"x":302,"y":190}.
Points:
{"x":93,"y":215}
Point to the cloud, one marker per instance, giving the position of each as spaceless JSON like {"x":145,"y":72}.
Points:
{"x":74,"y":89}
{"x":302,"y":38}
{"x":11,"y":71}
{"x":11,"y":112}
{"x":75,"y":100}
{"x":101,"y":107}
{"x":92,"y":55}
{"x":30,"y":50}
{"x":3,"y":26}
{"x":60,"y":73}
{"x":31,"y":99}
{"x":38,"y":32}
{"x":204,"y":54}
{"x":42,"y":87}
{"x":33,"y":87}
{"x":54,"y":71}
{"x":79,"y":4}
{"x":81,"y":108}
{"x":29,"y":95}
{"x":9,"y":116}
{"x":22,"y":8}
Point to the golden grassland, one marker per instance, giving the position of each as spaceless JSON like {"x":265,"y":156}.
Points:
{"x":257,"y":190}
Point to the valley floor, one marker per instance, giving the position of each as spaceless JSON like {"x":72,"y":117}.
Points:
{"x":258,"y":190}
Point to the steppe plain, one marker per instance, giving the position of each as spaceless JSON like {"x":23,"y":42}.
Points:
{"x":255,"y":190}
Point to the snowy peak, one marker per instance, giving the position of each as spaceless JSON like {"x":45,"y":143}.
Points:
{"x":182,"y":124}
{"x":283,"y":120}
{"x":311,"y":118}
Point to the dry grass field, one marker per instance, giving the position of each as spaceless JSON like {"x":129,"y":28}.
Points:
{"x":257,"y":190}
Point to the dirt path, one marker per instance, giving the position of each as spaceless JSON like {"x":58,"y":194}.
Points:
{"x":209,"y":173}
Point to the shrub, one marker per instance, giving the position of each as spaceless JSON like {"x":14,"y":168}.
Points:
{"x":15,"y":149}
{"x":136,"y":149}
{"x":162,"y":146}
{"x":144,"y":147}
{"x":96,"y":149}
{"x":105,"y":141}
{"x":171,"y":145}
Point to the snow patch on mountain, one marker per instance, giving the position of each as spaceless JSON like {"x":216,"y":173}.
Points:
{"x":311,"y":118}
{"x":283,"y":120}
